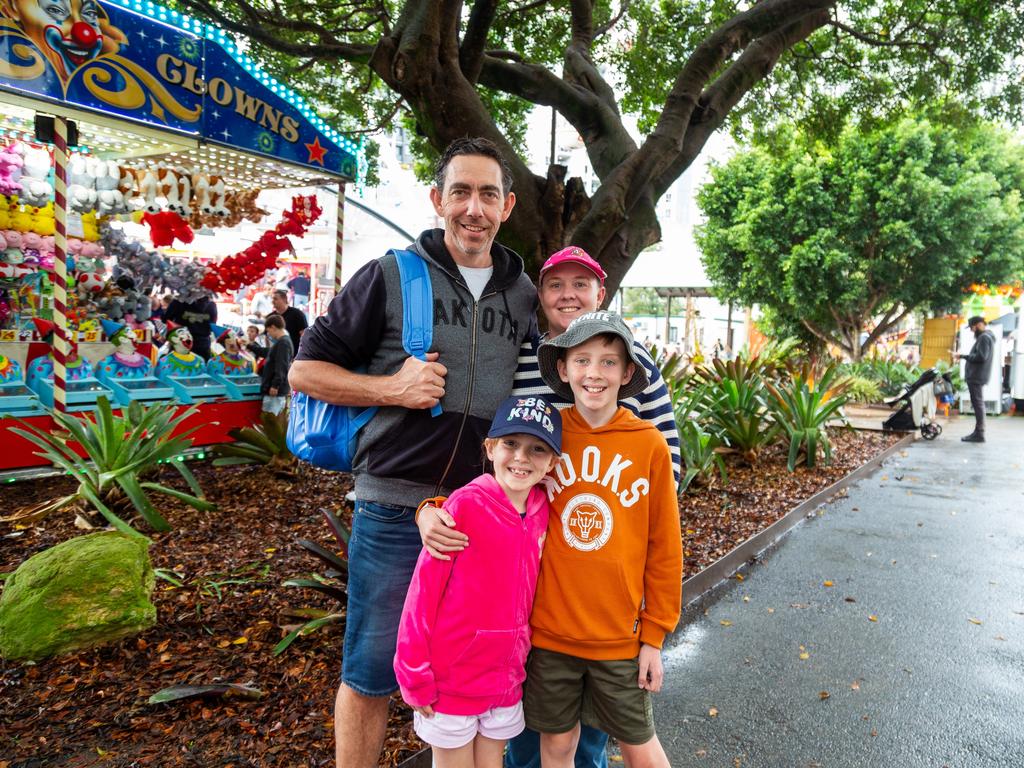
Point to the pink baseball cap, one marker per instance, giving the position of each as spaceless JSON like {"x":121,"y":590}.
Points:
{"x":574,"y":254}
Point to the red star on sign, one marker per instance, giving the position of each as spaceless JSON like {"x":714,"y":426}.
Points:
{"x":316,"y":152}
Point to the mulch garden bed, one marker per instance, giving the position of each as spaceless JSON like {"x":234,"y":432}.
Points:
{"x":90,"y":708}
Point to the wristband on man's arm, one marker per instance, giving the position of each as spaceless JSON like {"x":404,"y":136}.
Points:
{"x":433,"y":501}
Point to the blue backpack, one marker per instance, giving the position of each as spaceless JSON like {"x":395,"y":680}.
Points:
{"x":327,"y":435}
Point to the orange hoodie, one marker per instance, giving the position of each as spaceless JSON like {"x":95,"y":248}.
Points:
{"x":612,"y":567}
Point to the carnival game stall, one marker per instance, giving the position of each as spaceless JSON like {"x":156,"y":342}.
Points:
{"x":126,"y":111}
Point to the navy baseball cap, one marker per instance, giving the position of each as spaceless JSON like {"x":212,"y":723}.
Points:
{"x":532,"y":415}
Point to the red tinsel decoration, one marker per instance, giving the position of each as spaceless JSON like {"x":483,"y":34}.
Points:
{"x":248,"y":266}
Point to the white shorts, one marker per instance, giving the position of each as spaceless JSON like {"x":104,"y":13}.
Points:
{"x":454,"y":731}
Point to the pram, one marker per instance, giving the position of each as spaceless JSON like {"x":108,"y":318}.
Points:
{"x":918,"y":405}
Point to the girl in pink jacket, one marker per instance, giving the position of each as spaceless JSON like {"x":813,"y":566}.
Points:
{"x":465,"y":628}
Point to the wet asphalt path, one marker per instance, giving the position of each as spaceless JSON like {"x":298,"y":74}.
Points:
{"x":932,"y":547}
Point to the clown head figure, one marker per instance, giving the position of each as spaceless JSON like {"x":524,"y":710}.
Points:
{"x":230,"y":342}
{"x":68,"y":32}
{"x":180,"y":340}
{"x":120,"y":336}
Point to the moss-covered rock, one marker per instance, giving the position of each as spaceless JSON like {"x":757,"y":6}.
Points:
{"x":84,"y":592}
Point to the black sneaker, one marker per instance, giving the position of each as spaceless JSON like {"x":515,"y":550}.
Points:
{"x":973,"y":438}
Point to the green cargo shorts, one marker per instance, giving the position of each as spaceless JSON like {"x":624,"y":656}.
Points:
{"x":563,"y":690}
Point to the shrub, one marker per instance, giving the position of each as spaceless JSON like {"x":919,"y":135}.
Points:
{"x":891,"y":373}
{"x":863,"y":390}
{"x":120,"y":451}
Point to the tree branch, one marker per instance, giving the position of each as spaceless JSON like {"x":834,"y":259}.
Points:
{"x":881,"y":42}
{"x":610,"y":24}
{"x":730,"y":87}
{"x":887,"y":322}
{"x":581,"y":16}
{"x":814,"y":329}
{"x":471,"y":52}
{"x":262,"y":31}
{"x":606,"y":139}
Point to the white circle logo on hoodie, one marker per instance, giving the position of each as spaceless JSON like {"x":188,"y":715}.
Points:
{"x":586,"y":522}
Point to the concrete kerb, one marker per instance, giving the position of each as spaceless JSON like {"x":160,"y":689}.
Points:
{"x":719,"y":571}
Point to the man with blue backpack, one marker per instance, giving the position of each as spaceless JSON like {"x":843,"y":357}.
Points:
{"x":433,"y":408}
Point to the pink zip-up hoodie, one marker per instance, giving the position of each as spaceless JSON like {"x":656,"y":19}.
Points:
{"x":465,"y":628}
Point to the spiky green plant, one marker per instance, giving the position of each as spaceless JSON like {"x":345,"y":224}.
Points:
{"x":804,"y":406}
{"x":262,"y":444}
{"x":332,"y":583}
{"x":863,"y":390}
{"x":120,"y":450}
{"x":700,"y":456}
{"x":736,"y":406}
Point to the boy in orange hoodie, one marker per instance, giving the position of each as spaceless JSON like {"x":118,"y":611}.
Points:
{"x":609,"y":588}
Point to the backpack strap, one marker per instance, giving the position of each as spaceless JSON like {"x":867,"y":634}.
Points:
{"x":417,"y":307}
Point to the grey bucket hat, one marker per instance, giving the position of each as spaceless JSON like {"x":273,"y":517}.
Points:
{"x":580,"y":330}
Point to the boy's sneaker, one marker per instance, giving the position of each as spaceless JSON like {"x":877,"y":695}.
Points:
{"x":974,"y":437}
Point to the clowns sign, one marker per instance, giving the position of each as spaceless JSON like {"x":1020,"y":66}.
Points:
{"x":142,"y":61}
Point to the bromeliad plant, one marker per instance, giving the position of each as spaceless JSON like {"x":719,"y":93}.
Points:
{"x":736,"y":405}
{"x":804,"y":405}
{"x":701,"y":456}
{"x":120,"y":452}
{"x":332,"y":583}
{"x":262,"y":444}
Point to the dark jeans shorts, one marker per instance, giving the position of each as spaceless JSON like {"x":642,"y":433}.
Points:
{"x":382,"y":554}
{"x":563,"y":690}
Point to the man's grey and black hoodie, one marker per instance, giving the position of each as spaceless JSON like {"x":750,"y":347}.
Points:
{"x":978,"y":369}
{"x":406,"y":455}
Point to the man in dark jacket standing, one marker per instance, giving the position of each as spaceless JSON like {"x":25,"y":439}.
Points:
{"x":977,"y":373}
{"x":484,"y":307}
{"x":274,"y":374}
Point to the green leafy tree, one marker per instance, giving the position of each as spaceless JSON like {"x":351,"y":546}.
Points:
{"x":842,"y":238}
{"x":642,"y":301}
{"x":686,"y":67}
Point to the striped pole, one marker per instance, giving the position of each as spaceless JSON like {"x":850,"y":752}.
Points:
{"x":339,"y":237}
{"x":60,"y":265}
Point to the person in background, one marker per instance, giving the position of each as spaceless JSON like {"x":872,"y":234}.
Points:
{"x":197,"y":315}
{"x":274,"y":375}
{"x":262,"y":303}
{"x":977,"y":372}
{"x":294,"y":319}
{"x":299,"y":286}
